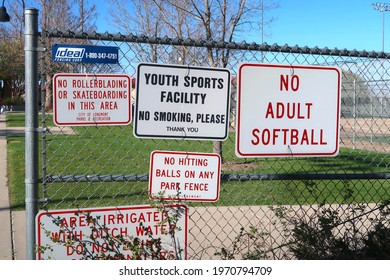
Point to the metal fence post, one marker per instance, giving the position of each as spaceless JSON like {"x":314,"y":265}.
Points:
{"x":31,"y":127}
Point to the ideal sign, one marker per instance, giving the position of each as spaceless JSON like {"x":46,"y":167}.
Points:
{"x":286,"y":110}
{"x":182,"y":102}
{"x":185,"y":176}
{"x":91,"y":99}
{"x":142,"y":222}
{"x":84,"y":54}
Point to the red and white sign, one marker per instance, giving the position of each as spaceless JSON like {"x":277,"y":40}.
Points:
{"x":287,"y":110}
{"x":130,"y":221}
{"x":91,"y":99}
{"x":185,"y":176}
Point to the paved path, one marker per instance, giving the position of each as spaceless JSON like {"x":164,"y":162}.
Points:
{"x":12,"y":223}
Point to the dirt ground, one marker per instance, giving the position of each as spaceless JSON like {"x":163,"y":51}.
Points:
{"x":371,"y":134}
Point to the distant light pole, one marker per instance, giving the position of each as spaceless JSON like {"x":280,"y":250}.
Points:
{"x":4,"y":16}
{"x":382,"y":7}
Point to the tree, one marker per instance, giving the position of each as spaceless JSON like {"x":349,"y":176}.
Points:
{"x":75,"y":15}
{"x":12,"y":53}
{"x":210,"y":20}
{"x":62,"y":15}
{"x":355,"y":85}
{"x":356,"y":93}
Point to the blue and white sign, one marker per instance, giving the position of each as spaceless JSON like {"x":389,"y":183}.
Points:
{"x":84,"y":54}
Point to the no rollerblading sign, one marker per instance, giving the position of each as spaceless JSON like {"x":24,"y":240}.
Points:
{"x":91,"y":99}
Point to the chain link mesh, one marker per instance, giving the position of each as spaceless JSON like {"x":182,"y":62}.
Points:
{"x":95,"y":166}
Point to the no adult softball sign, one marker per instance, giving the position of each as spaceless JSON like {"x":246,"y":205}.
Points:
{"x":286,"y":110}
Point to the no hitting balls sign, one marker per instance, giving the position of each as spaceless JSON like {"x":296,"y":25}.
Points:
{"x":186,"y":176}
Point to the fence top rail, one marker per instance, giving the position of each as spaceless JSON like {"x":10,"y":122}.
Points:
{"x":142,"y":38}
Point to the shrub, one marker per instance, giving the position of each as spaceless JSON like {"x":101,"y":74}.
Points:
{"x":326,"y":234}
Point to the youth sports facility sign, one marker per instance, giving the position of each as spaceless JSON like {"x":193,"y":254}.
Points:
{"x":182,"y":102}
{"x":286,"y":110}
{"x":91,"y":99}
{"x":131,"y":221}
{"x":185,"y":176}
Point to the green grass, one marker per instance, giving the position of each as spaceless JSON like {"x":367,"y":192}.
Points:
{"x":114,"y":150}
{"x":17,"y":119}
{"x":376,"y":139}
{"x":15,"y":156}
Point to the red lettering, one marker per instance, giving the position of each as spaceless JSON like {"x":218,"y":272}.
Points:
{"x":265,"y":138}
{"x":196,"y":186}
{"x":170,"y":185}
{"x":294,"y":82}
{"x":305,"y":137}
{"x":255,"y":141}
{"x":285,"y":82}
{"x":64,"y":223}
{"x":72,"y":221}
{"x":108,"y":105}
{"x":291,"y":111}
{"x":269,"y":111}
{"x":322,"y":142}
{"x":275,"y":135}
{"x":111,"y":218}
{"x":288,"y":110}
{"x":312,"y":137}
{"x":285,"y":130}
{"x":294,"y":137}
{"x":69,"y":250}
{"x":279,"y":110}
{"x":308,"y":105}
{"x":289,"y":137}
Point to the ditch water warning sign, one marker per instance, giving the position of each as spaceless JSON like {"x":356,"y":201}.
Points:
{"x":69,"y":227}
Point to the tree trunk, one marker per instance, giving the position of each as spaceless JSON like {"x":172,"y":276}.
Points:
{"x":217,"y":148}
{"x":49,"y":95}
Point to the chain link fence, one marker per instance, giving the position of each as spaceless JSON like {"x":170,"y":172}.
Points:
{"x":95,"y":166}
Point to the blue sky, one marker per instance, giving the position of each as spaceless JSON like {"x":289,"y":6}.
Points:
{"x":350,"y":24}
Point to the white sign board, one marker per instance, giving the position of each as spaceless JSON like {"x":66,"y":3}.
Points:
{"x":287,"y":110}
{"x":91,"y":99}
{"x":131,"y":221}
{"x":185,"y":176}
{"x":182,"y":102}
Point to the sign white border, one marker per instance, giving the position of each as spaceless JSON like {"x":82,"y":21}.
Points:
{"x":44,"y":224}
{"x":178,"y":172}
{"x":261,"y":84}
{"x":182,"y":102}
{"x":79,"y":106}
